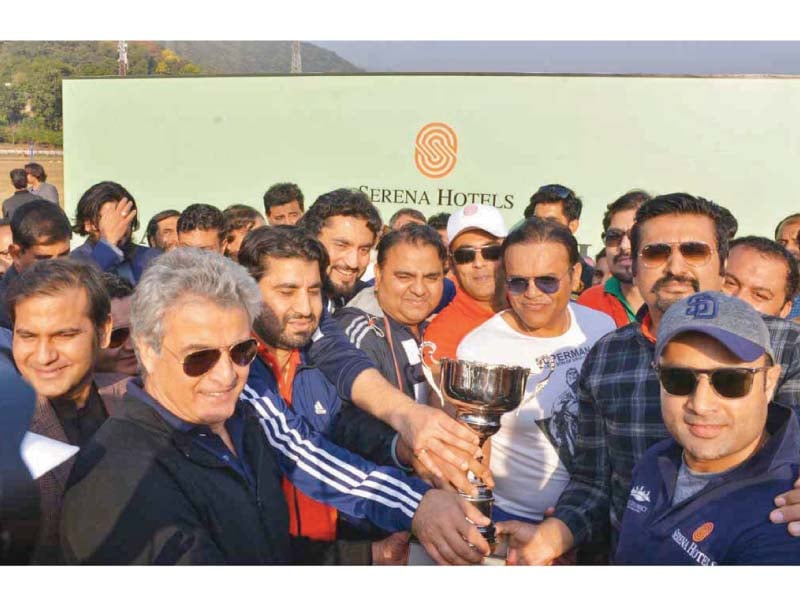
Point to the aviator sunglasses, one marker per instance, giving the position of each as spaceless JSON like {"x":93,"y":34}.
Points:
{"x":201,"y":362}
{"x":467,"y":254}
{"x":547,"y":284}
{"x":119,"y":336}
{"x":696,"y":254}
{"x":613,"y":236}
{"x":733,"y":382}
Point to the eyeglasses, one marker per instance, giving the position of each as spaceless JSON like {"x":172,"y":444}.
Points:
{"x":696,"y":254}
{"x":557,"y":190}
{"x":547,"y":284}
{"x":201,"y":362}
{"x":466,"y":254}
{"x":119,"y":336}
{"x":728,"y":382}
{"x":613,"y":236}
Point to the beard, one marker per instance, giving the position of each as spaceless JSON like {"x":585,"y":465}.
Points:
{"x":273,"y":329}
{"x":663,"y":303}
{"x":336,"y":291}
{"x":623,"y":274}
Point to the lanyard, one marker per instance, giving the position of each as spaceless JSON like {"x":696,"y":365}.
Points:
{"x":394,"y":356}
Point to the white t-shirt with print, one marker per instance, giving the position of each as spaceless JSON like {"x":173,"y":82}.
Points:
{"x":531,"y":454}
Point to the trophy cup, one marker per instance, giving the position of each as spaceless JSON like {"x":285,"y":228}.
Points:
{"x":481,"y":394}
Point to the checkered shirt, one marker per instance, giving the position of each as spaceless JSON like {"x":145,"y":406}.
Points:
{"x":619,"y":418}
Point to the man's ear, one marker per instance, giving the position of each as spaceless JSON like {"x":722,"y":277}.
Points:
{"x":573,"y":225}
{"x":16,"y":254}
{"x":772,"y":375}
{"x":147,"y":356}
{"x":787,"y":308}
{"x":105,"y":332}
{"x":378,"y":274}
{"x":575,"y":280}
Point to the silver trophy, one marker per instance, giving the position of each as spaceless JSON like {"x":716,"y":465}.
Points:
{"x":481,"y":394}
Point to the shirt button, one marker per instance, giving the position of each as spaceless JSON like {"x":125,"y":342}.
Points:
{"x":226,"y":458}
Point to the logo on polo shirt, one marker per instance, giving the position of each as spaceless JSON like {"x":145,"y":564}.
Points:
{"x":638,"y":494}
{"x":641,"y":494}
{"x":319,"y":409}
{"x":691,"y":548}
{"x":702,"y":532}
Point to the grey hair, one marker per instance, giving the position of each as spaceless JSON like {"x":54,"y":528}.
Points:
{"x":188,"y":271}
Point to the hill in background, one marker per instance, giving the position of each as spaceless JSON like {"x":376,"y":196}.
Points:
{"x":240,"y":58}
{"x":31,"y":73}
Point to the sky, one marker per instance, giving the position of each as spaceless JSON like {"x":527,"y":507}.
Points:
{"x":614,"y":57}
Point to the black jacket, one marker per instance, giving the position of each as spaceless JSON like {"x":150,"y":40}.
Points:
{"x":5,"y":281}
{"x":369,"y":329}
{"x":142,"y":492}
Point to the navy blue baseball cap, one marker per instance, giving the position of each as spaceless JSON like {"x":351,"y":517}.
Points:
{"x":732,"y":322}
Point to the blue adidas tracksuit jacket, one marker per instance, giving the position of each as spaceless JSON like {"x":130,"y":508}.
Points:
{"x":726,"y":523}
{"x":385,"y":496}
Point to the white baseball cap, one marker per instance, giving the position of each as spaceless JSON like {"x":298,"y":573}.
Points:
{"x":476,"y":216}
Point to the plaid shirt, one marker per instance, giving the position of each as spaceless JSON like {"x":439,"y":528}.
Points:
{"x":619,"y":418}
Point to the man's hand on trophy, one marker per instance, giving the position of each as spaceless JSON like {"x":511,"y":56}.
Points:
{"x":453,"y":478}
{"x":442,"y":525}
{"x":530,"y":544}
{"x":391,"y":551}
{"x":426,"y":428}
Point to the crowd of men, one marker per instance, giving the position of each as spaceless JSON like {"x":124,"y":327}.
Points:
{"x":248,"y":387}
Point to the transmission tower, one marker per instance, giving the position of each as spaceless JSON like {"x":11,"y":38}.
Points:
{"x":122,"y":51}
{"x":297,"y":60}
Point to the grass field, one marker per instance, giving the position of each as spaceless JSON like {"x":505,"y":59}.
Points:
{"x":53,"y":166}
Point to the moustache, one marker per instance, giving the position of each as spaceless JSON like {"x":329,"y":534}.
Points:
{"x":620,"y":256}
{"x":295,"y":315}
{"x":667,"y":279}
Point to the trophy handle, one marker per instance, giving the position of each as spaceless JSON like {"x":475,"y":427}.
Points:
{"x":426,"y":370}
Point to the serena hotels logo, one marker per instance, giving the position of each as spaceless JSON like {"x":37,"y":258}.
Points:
{"x":435,"y":150}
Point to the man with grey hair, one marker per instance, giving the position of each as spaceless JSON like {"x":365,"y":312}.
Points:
{"x":190,"y":474}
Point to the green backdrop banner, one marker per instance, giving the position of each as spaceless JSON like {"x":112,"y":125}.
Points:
{"x":438,"y":142}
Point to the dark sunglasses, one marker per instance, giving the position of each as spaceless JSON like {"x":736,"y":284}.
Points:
{"x":613,"y":236}
{"x":547,"y":284}
{"x":728,"y":382}
{"x":201,"y":362}
{"x":557,"y":190}
{"x":467,"y":254}
{"x":695,"y":253}
{"x":119,"y":336}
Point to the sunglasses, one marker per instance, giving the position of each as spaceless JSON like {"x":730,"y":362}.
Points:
{"x":557,"y":190}
{"x":728,"y":382}
{"x":119,"y":336}
{"x":467,"y":254}
{"x":613,"y":236}
{"x":201,"y":362}
{"x":547,"y":284}
{"x":696,"y":254}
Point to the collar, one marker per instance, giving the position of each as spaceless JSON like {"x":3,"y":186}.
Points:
{"x":135,"y":390}
{"x":645,"y":322}
{"x":647,"y":328}
{"x":265,"y":353}
{"x":613,"y":286}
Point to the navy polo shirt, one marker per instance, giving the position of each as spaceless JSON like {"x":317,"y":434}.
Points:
{"x":202,"y":434}
{"x":727,"y":522}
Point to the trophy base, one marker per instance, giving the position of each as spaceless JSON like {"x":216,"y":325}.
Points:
{"x":417,"y":557}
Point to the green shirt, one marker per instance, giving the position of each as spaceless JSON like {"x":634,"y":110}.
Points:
{"x":614,"y":287}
